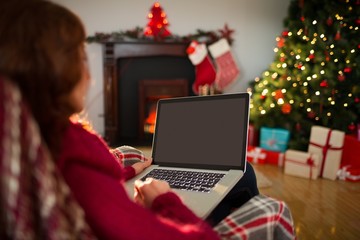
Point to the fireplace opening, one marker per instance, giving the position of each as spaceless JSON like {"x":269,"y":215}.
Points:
{"x":150,"y":92}
{"x":142,"y":81}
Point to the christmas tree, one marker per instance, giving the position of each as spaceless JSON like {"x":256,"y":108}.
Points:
{"x":315,"y":76}
{"x":157,"y":25}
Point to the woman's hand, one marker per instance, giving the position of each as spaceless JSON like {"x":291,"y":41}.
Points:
{"x":140,"y":166}
{"x":146,"y":191}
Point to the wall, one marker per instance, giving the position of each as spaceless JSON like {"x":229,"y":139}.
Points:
{"x":256,"y":24}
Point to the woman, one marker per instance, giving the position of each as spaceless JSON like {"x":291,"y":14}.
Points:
{"x":42,"y":52}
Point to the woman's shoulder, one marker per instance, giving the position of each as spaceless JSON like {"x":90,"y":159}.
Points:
{"x":83,"y":146}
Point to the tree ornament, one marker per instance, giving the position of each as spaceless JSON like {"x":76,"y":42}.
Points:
{"x":357,"y":100}
{"x":262,"y":97}
{"x":341,"y":77}
{"x":311,"y":115}
{"x":352,"y":127}
{"x":338,"y":35}
{"x":311,"y":56}
{"x":357,"y":21}
{"x":299,"y":66}
{"x":329,"y":21}
{"x":347,"y":70}
{"x":286,"y":108}
{"x":302,"y":18}
{"x":282,"y":59}
{"x":157,"y":25}
{"x":324,"y":83}
{"x":281,"y":42}
{"x":278,"y":94}
{"x":285,"y":33}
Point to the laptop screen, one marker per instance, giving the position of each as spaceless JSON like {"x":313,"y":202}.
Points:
{"x":208,"y":132}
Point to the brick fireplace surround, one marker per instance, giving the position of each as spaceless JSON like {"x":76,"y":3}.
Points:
{"x":129,"y":67}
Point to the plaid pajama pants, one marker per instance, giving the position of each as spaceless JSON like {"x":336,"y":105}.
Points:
{"x":262,"y":218}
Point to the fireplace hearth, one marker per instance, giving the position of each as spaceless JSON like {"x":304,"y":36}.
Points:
{"x":136,"y":76}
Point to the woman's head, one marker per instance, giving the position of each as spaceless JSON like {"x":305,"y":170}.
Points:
{"x":42,"y":50}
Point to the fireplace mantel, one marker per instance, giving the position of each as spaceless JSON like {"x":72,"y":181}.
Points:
{"x":128,"y":49}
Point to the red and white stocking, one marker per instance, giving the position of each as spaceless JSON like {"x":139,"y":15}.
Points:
{"x":205,"y":72}
{"x":227,"y":69}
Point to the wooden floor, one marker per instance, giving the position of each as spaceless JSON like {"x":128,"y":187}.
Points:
{"x":321,"y":209}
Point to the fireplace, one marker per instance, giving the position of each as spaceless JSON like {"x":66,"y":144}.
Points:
{"x":136,"y":75}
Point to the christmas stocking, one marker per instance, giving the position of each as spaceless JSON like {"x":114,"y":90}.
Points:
{"x":205,"y":72}
{"x":227,"y":70}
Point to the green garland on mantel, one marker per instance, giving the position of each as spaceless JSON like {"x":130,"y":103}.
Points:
{"x":137,"y":34}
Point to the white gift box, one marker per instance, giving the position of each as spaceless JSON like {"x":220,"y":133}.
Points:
{"x":301,"y":164}
{"x":328,"y":144}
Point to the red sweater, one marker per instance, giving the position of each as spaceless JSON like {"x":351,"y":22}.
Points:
{"x":97,"y":182}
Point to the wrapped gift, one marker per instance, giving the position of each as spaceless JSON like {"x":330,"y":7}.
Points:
{"x":351,"y":152}
{"x":253,"y":136}
{"x":275,"y":158}
{"x":349,"y":173}
{"x":328,"y":144}
{"x":256,"y":155}
{"x":301,"y":164}
{"x":274,"y":139}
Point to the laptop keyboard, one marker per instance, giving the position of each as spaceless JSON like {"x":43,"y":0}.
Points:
{"x":186,"y":180}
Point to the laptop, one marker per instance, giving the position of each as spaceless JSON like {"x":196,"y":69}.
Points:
{"x":201,"y":135}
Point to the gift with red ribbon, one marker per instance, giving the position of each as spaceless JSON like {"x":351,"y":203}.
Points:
{"x":275,"y":158}
{"x":301,"y":164}
{"x":351,"y":152}
{"x":328,"y":144}
{"x":256,"y":155}
{"x":349,"y":173}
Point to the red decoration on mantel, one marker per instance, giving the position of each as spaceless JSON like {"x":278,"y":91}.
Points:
{"x":157,"y":25}
{"x":227,"y":33}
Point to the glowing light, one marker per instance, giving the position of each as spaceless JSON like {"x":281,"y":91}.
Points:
{"x":314,"y":22}
{"x":276,"y":50}
{"x":272,"y":105}
{"x":322,"y":71}
{"x":308,"y":78}
{"x":274,"y":75}
{"x":290,"y":34}
{"x":257,"y":79}
{"x":266,"y":82}
{"x":317,"y":93}
{"x":264,"y":92}
{"x":284,"y":65}
{"x":308,"y":109}
{"x":322,"y":63}
{"x":336,"y":60}
{"x":332,"y":102}
{"x":283,"y":90}
{"x":288,"y":78}
{"x":297,"y":57}
{"x":312,"y":51}
{"x":329,"y":114}
{"x":278,"y":65}
{"x":350,"y":95}
{"x":291,"y":101}
{"x":345,"y":105}
{"x":263,"y":112}
{"x":307,"y":59}
{"x":266,"y":73}
{"x":308,"y":100}
{"x":303,"y":68}
{"x":322,"y":36}
{"x":251,"y":105}
{"x":352,"y":50}
{"x":305,"y":84}
{"x":314,"y":76}
{"x":280,"y":101}
{"x":329,"y":99}
{"x":332,"y":46}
